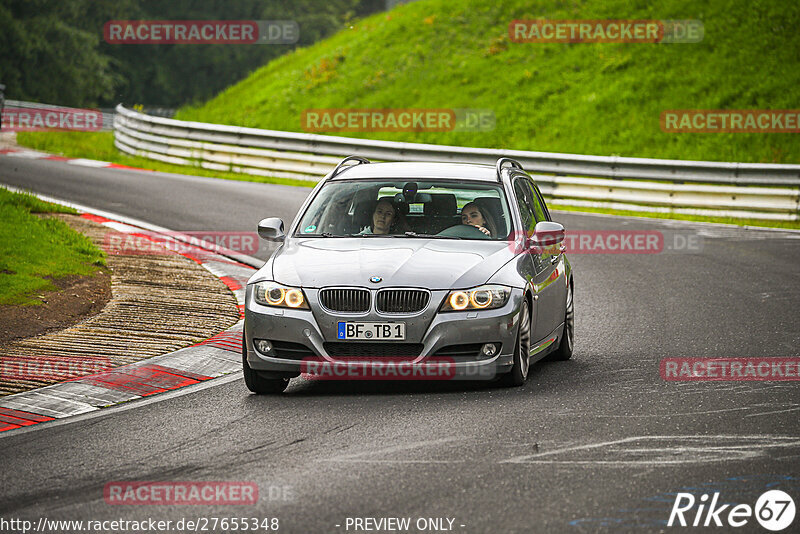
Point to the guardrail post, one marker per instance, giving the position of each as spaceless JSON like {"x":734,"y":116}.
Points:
{"x":2,"y":103}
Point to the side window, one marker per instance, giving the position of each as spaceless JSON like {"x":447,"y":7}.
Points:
{"x":538,"y":203}
{"x":523,"y":194}
{"x":544,"y":204}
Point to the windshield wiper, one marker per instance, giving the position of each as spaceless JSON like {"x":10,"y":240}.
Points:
{"x":323,"y":234}
{"x":407,"y":234}
{"x":365,"y":235}
{"x":426,"y":236}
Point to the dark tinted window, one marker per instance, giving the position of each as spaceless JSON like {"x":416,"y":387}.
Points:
{"x":344,"y":208}
{"x":538,"y":204}
{"x":523,"y":195}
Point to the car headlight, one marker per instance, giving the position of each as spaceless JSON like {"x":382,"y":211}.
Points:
{"x":274,"y":294}
{"x":479,"y":298}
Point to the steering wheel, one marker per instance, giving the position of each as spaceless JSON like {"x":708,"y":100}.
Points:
{"x":464,"y":230}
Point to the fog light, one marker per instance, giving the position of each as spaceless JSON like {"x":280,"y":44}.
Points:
{"x":489,"y":349}
{"x":263,"y":345}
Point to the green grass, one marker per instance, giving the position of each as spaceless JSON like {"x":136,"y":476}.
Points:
{"x":100,"y":146}
{"x":601,"y":98}
{"x":30,"y":203}
{"x":790,"y":225}
{"x":34,"y":250}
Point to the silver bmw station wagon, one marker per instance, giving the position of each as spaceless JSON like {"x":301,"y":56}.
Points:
{"x":425,"y":262}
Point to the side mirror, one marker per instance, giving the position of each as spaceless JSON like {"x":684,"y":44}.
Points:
{"x":271,"y":229}
{"x":547,"y":233}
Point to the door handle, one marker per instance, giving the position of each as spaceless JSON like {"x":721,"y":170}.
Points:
{"x":557,"y":257}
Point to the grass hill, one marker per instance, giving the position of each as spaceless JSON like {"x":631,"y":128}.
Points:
{"x":600,"y":98}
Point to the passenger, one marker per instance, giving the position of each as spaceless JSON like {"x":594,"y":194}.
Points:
{"x":474,"y":215}
{"x":386,"y":218}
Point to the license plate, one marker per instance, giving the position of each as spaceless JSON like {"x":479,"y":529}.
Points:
{"x":372,"y":331}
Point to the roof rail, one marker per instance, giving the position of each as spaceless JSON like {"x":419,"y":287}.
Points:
{"x":502,"y":161}
{"x":359,"y":159}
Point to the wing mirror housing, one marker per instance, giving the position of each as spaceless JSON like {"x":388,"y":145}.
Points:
{"x":271,"y":229}
{"x":547,"y":233}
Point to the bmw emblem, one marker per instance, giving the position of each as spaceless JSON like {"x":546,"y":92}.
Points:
{"x":375,"y":279}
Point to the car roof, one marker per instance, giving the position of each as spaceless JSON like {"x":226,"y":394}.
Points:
{"x":406,"y":170}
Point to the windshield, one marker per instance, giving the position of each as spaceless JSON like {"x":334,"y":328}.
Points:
{"x":409,"y":208}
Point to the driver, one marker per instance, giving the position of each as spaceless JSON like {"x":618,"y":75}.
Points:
{"x":474,"y":215}
{"x":386,"y":218}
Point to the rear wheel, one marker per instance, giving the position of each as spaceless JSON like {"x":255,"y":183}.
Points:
{"x":257,"y":383}
{"x":564,"y":351}
{"x":519,"y":371}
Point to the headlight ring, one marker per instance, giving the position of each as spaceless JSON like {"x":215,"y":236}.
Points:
{"x":279,"y":296}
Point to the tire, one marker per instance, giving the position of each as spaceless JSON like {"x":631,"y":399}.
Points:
{"x":567,"y":343}
{"x":257,"y":383}
{"x":519,"y":371}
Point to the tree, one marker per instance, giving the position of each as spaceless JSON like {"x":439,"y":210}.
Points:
{"x":49,"y":57}
{"x":53,"y":50}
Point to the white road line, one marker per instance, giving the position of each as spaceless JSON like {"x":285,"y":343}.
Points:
{"x":788,"y":441}
{"x":27,"y":154}
{"x":88,"y":162}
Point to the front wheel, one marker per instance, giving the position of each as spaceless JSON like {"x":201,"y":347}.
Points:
{"x":519,"y":371}
{"x":257,"y":383}
{"x":564,"y":351}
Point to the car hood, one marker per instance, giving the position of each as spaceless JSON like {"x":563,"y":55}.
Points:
{"x":411,"y":262}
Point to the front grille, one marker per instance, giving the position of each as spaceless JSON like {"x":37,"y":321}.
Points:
{"x":370,"y":350}
{"x":291,"y":351}
{"x":345,"y":300}
{"x":401,"y":300}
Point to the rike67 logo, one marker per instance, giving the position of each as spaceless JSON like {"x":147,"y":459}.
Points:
{"x":774,"y":510}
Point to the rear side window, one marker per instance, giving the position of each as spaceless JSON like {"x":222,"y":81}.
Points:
{"x":523,"y":195}
{"x":538,"y":203}
{"x":544,"y":204}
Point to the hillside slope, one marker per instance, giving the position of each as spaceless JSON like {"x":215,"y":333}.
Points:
{"x":603,"y":98}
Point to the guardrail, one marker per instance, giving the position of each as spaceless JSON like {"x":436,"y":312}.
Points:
{"x":742,"y":190}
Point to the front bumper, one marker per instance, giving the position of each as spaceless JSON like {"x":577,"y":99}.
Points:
{"x":434,"y":331}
